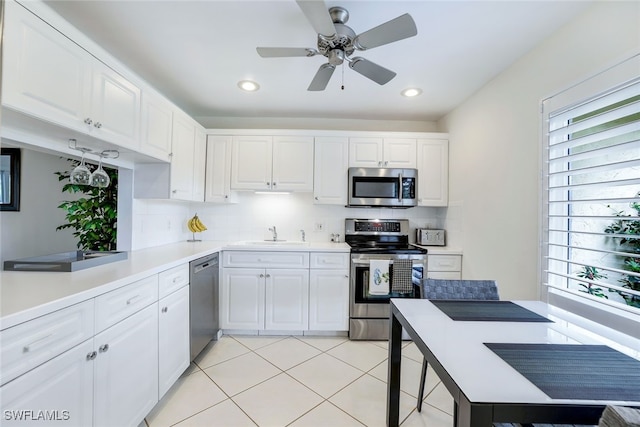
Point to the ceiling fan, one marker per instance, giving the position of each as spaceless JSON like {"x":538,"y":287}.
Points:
{"x":338,"y":42}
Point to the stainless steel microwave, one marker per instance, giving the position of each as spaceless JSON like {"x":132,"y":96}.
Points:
{"x":383,"y":187}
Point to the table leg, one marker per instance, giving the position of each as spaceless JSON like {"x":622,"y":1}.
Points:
{"x":467,"y":414}
{"x":393,"y":383}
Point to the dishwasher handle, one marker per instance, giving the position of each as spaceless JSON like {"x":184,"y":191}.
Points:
{"x":213,"y":262}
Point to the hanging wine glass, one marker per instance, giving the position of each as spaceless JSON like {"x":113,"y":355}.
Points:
{"x":99,"y":178}
{"x":80,"y":175}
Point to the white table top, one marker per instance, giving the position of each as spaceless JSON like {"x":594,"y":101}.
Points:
{"x":481,"y":374}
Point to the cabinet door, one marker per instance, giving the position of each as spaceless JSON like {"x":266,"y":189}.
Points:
{"x":218,"y":170}
{"x":199,"y":165}
{"x":126,"y":370}
{"x":399,"y":153}
{"x":115,"y":108}
{"x":182,"y":151}
{"x":292,"y":163}
{"x":242,"y":298}
{"x":365,"y":152}
{"x":44,"y":74}
{"x":156,"y":123}
{"x":173,"y":338}
{"x":329,"y":300}
{"x":433,"y":172}
{"x":331,"y":161}
{"x":251,"y":163}
{"x":287,"y":299}
{"x":63,"y":387}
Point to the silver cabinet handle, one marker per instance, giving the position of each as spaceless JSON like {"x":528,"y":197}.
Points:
{"x":268,"y":275}
{"x":132,"y":299}
{"x":274,"y":184}
{"x":98,"y":125}
{"x":103,"y":348}
{"x":174,"y":191}
{"x":165,"y":309}
{"x":92,"y":355}
{"x":27,"y":347}
{"x":261,"y":275}
{"x":88,"y":121}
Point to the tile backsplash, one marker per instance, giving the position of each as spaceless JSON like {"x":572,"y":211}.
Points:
{"x":158,"y":222}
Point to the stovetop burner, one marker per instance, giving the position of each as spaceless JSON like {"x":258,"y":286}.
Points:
{"x":379,"y":236}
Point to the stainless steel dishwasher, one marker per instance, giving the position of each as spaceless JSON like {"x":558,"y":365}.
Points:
{"x":203,"y":302}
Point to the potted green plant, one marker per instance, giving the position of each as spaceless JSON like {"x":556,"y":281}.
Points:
{"x":627,"y":236}
{"x":94,"y":215}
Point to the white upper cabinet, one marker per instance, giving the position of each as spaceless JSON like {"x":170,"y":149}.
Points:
{"x":115,"y":108}
{"x":251,"y":162}
{"x":199,"y":165}
{"x":382,"y":152}
{"x":157,"y":122}
{"x":292,"y":163}
{"x":433,"y":172}
{"x":183,"y":179}
{"x":272,"y":163}
{"x":331,"y":161}
{"x":218,"y":170}
{"x":182,"y":154}
{"x":48,"y":76}
{"x":43,"y":72}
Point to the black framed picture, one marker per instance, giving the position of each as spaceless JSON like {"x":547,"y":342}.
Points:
{"x":9,"y":179}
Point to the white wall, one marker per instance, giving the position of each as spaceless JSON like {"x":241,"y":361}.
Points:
{"x":160,"y":222}
{"x":495,"y":139}
{"x":32,"y":230}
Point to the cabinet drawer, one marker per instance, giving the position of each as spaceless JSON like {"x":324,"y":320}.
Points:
{"x":117,"y":305}
{"x":173,"y":279}
{"x":32,"y":343}
{"x":265,"y":259}
{"x":444,"y":263}
{"x":329,"y":260}
{"x":446,"y":275}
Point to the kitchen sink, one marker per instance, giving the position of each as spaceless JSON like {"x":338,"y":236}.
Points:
{"x":271,"y":243}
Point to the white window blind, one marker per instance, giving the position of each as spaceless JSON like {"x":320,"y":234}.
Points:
{"x":591,"y":212}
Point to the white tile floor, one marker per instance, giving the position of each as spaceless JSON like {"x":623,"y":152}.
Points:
{"x":298,"y":382}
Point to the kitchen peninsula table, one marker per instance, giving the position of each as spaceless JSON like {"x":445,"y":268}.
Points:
{"x":491,"y":366}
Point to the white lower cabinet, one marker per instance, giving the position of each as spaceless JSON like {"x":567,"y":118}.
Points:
{"x":286,"y":299}
{"x":259,"y":299}
{"x":103,"y":362}
{"x":126,"y":370}
{"x":60,"y":390}
{"x":329,"y":300}
{"x":444,"y":266}
{"x":173,"y":338}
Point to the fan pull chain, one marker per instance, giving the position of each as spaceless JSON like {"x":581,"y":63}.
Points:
{"x":342,"y":87}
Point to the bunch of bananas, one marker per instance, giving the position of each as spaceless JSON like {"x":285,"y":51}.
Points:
{"x":195,"y":225}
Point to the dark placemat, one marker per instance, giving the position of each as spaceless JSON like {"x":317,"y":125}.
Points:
{"x":491,"y":311}
{"x":574,"y":371}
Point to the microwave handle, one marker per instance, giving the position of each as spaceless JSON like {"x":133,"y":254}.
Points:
{"x":400,"y":188}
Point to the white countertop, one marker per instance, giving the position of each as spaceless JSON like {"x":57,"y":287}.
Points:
{"x":25,"y":295}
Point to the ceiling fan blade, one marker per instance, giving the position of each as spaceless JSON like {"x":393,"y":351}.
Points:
{"x":322,"y":77}
{"x":318,"y":15}
{"x":279,"y":52}
{"x":399,"y":28}
{"x":372,"y":70}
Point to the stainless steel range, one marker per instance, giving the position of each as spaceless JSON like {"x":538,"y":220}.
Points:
{"x":383,"y":266}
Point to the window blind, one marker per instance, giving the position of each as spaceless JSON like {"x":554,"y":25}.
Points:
{"x":591,"y":214}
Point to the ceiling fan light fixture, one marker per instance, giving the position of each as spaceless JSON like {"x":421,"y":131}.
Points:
{"x":248,"y":85}
{"x":411,"y":92}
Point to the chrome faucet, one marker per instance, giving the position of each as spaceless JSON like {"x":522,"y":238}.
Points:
{"x":303,"y":235}
{"x":274,"y":232}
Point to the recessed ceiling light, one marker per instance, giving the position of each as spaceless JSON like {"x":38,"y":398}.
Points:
{"x":411,"y":92}
{"x":248,"y":85}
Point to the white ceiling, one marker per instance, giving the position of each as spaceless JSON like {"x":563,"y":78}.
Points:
{"x":195,"y":52}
